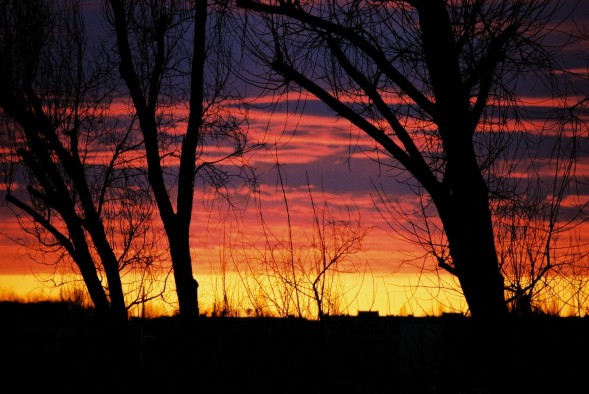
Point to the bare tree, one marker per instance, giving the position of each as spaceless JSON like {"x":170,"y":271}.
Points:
{"x":298,"y":267}
{"x":71,"y":173}
{"x":435,"y":85}
{"x":174,"y":62}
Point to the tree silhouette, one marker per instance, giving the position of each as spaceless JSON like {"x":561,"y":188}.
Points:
{"x":300,"y":273}
{"x":173,"y":61}
{"x":67,"y":168}
{"x":432,"y":83}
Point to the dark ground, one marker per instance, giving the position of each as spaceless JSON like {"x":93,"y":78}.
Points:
{"x":54,"y":348}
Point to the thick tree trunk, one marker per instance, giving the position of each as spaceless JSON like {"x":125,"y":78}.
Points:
{"x":462,"y":198}
{"x":186,"y":285}
{"x":468,"y":224}
{"x":476,"y":266}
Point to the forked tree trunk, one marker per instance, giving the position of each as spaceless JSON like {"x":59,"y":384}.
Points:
{"x":176,"y":222}
{"x":111,"y":268}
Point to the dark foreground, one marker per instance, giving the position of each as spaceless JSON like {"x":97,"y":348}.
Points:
{"x":56,"y":349}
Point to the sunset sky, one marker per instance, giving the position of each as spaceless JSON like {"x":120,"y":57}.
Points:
{"x":310,"y":144}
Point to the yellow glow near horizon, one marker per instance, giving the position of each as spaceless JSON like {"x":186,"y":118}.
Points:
{"x":396,"y":294}
{"x":399,"y":294}
{"x":25,"y":287}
